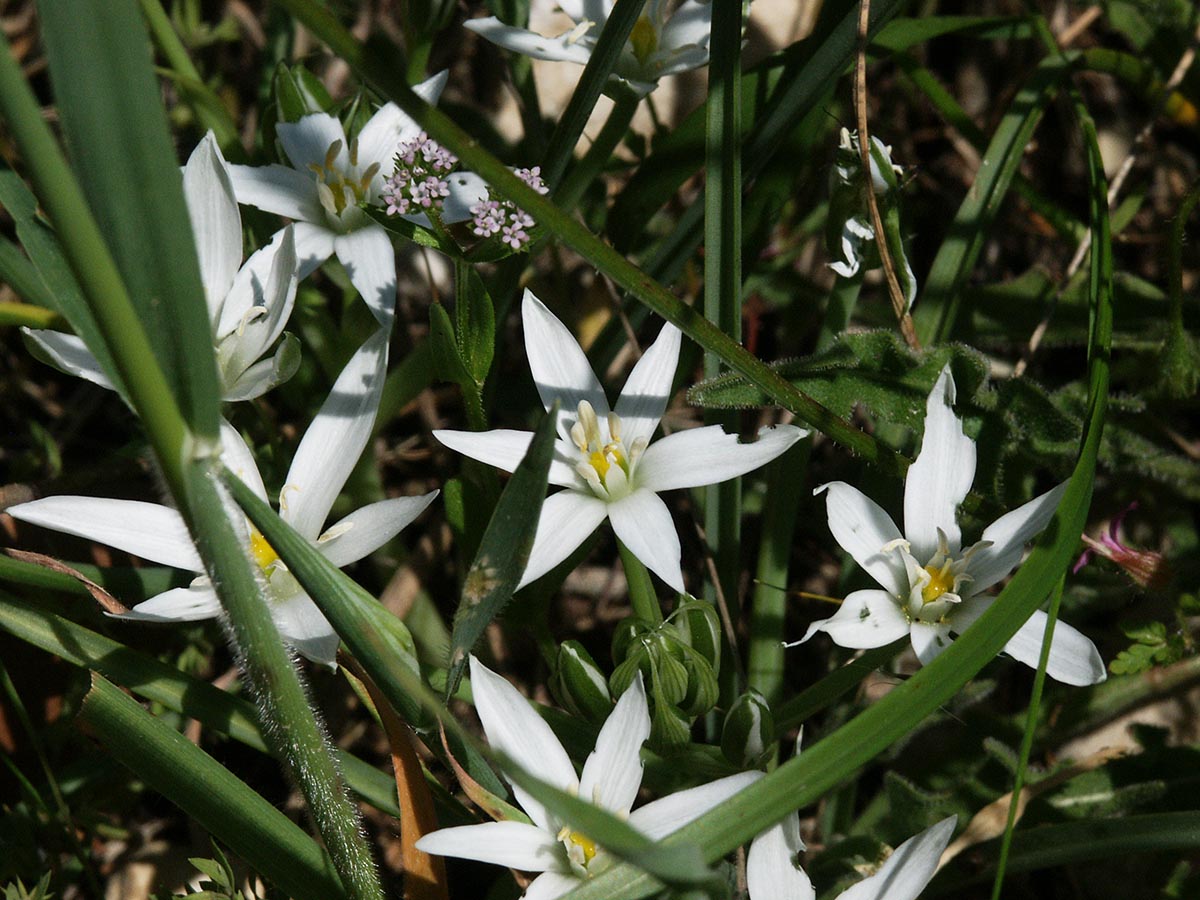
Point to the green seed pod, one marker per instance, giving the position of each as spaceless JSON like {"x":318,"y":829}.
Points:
{"x":580,"y":684}
{"x":698,"y":626}
{"x":749,"y":733}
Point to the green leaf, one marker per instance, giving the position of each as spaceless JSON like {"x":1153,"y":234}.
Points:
{"x":447,"y":355}
{"x":873,"y":370}
{"x":226,"y":806}
{"x":121,"y":148}
{"x":504,"y":550}
{"x":474,"y":322}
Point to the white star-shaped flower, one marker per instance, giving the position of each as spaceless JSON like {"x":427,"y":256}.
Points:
{"x":604,"y":459}
{"x":933,"y":587}
{"x":772,"y":872}
{"x":661,"y":43}
{"x":611,"y":778}
{"x":323,"y":461}
{"x":332,"y":178}
{"x":248,"y":305}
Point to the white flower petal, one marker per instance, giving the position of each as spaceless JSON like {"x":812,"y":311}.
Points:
{"x":216,"y":224}
{"x":929,"y":639}
{"x":70,"y":354}
{"x":430,"y":90}
{"x":560,"y":369}
{"x":370,"y":261}
{"x":940,"y":477}
{"x":566,"y":521}
{"x":643,"y":524}
{"x":513,"y":844}
{"x":240,"y":461}
{"x":1074,"y":659}
{"x":265,"y":291}
{"x":663,"y":817}
{"x":514,"y":729}
{"x":1009,"y":534}
{"x":381,"y":137}
{"x":529,"y":43}
{"x":278,"y":189}
{"x":306,"y":628}
{"x":504,"y":448}
{"x":254,"y":382}
{"x":772,"y":871}
{"x":550,"y":886}
{"x":314,"y":245}
{"x":367,"y":529}
{"x":466,"y":190}
{"x":908,"y":869}
{"x":644,"y":398}
{"x":865,"y":619}
{"x":307,"y":141}
{"x":701,"y":456}
{"x":691,"y":24}
{"x":612,"y":773}
{"x":189,"y":604}
{"x":862,"y":529}
{"x":335,"y":439}
{"x":149,"y":530}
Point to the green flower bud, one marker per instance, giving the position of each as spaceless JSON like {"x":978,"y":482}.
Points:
{"x":580,"y":684}
{"x":671,"y":677}
{"x":749,"y":733}
{"x":699,"y":628}
{"x":628,"y":633}
{"x":703,"y":688}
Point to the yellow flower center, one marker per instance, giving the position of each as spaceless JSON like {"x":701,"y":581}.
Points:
{"x":643,"y":39}
{"x":264,"y":554}
{"x":602,"y":453}
{"x":941,"y":580}
{"x":586,"y":844}
{"x":339,"y":191}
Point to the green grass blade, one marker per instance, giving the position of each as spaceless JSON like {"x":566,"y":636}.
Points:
{"x":968,"y":232}
{"x":155,"y":680}
{"x":504,"y":549}
{"x":595,"y":76}
{"x":179,"y":770}
{"x":121,"y":147}
{"x":723,"y":270}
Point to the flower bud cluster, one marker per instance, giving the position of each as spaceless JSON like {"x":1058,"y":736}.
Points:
{"x":419,"y":182}
{"x":504,"y":217}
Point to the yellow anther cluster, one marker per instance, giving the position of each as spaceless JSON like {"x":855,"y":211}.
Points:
{"x":601,"y":455}
{"x":264,"y":554}
{"x":337,"y":190}
{"x":585,"y":844}
{"x":941,"y":580}
{"x":643,"y":39}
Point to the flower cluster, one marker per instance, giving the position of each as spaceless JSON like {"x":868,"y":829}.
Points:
{"x":419,"y":183}
{"x":503,"y":217}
